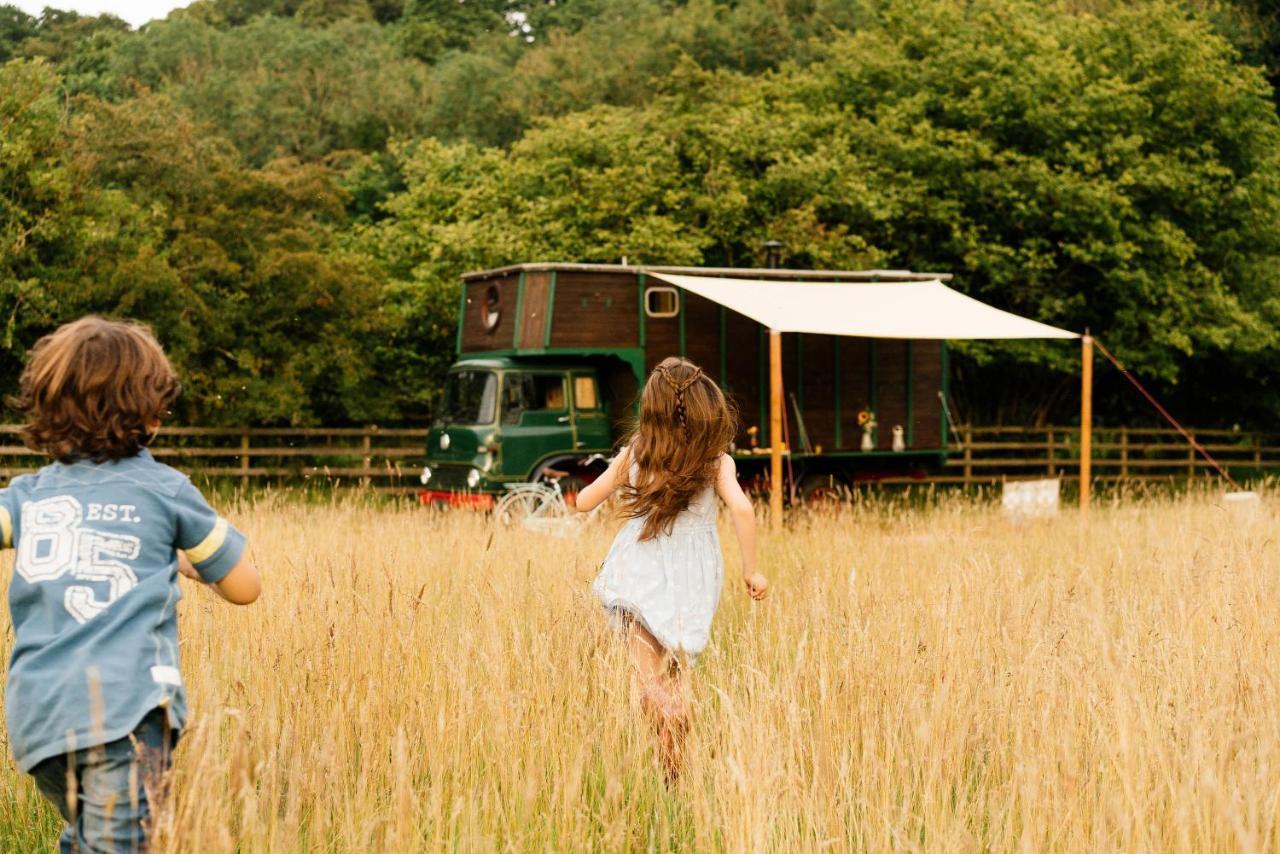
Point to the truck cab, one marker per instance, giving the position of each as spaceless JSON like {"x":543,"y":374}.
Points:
{"x":509,"y":420}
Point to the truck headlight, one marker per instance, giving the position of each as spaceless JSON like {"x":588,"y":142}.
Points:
{"x":473,"y":478}
{"x":425,"y":477}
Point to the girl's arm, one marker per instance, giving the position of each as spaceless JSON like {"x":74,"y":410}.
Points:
{"x":594,"y":493}
{"x":744,"y":524}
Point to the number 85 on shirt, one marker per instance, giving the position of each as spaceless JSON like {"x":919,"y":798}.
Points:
{"x":55,"y":543}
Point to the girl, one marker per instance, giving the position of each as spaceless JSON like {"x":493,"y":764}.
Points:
{"x":661,"y":579}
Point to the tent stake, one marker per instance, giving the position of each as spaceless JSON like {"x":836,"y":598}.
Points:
{"x":775,"y":427}
{"x":1086,"y":421}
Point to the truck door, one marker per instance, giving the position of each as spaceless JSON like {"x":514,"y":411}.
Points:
{"x":535,"y":419}
{"x":590,"y":420}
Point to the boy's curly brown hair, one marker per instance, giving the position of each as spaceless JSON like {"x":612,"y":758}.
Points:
{"x":94,"y":389}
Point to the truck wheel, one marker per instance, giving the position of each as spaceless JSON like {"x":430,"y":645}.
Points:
{"x":822,"y":490}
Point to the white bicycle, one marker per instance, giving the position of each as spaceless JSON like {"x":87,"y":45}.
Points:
{"x":542,"y":506}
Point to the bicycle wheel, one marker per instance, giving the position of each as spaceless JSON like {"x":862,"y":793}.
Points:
{"x":514,"y":507}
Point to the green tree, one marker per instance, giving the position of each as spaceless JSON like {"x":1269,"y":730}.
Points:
{"x":60,"y":231}
{"x":136,"y":210}
{"x":38,"y":205}
{"x":615,"y":52}
{"x":276,"y":87}
{"x":60,"y":36}
{"x":1098,"y":163}
{"x":272,"y":320}
{"x":1070,"y":171}
{"x":16,"y":27}
{"x":1061,"y":167}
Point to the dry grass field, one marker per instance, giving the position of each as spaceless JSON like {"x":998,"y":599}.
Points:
{"x":922,"y":677}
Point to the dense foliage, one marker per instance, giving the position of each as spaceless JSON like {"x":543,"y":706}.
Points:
{"x":289,"y":189}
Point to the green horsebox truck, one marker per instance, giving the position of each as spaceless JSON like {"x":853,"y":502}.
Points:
{"x":551,"y":358}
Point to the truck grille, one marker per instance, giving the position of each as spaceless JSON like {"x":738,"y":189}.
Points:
{"x":447,"y":477}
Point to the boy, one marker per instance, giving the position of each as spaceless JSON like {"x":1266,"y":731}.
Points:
{"x":94,"y":698}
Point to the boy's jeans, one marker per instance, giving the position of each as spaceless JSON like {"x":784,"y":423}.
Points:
{"x":105,"y":793}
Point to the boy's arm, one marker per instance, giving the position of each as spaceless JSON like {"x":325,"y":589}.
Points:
{"x":11,"y":513}
{"x":744,"y":525}
{"x":6,"y":521}
{"x":241,"y":586}
{"x":212,"y":551}
{"x":593,"y":494}
{"x":185,"y":567}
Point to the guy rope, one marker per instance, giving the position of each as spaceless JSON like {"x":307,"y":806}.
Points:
{"x":1167,"y":416}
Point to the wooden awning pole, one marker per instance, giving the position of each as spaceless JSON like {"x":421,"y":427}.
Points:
{"x":775,"y":427}
{"x":1086,"y":421}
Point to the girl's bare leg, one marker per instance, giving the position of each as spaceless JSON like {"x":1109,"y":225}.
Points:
{"x":661,"y":696}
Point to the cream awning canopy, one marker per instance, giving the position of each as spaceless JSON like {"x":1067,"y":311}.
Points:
{"x":864,"y":309}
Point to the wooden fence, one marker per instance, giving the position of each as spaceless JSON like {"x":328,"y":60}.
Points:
{"x":989,"y":454}
{"x":390,"y":460}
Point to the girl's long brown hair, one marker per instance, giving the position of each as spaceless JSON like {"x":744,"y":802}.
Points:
{"x":685,"y":425}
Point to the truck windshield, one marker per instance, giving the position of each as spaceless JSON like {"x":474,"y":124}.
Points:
{"x":470,"y":397}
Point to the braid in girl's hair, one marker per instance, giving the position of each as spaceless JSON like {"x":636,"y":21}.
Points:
{"x":679,"y":386}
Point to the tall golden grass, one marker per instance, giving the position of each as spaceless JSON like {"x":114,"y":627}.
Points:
{"x":935,"y":678}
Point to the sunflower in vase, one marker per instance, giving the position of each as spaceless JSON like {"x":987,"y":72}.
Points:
{"x":867,"y":421}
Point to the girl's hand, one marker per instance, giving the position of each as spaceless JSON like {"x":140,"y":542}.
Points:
{"x":757,"y":586}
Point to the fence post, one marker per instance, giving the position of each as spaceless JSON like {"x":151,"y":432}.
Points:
{"x":1191,"y":460}
{"x":1124,"y":453}
{"x":1053,"y":454}
{"x":244,"y":461}
{"x":366,"y":445}
{"x":967,"y":433}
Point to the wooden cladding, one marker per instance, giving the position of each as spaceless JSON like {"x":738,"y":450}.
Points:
{"x":584,"y":310}
{"x":855,"y":389}
{"x":534,"y":307}
{"x":746,"y":353}
{"x":891,"y":390}
{"x":926,"y":385}
{"x":702,"y":334}
{"x":476,"y":336}
{"x":815,"y":389}
{"x":596,"y":310}
{"x":834,"y":379}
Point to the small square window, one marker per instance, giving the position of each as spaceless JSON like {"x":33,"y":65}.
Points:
{"x":584,"y":392}
{"x":661,"y":302}
{"x":531,"y":393}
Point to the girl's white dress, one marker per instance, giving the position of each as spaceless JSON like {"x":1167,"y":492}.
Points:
{"x":671,"y":583}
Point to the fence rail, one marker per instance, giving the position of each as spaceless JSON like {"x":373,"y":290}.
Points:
{"x":384,"y":459}
{"x":389,"y":459}
{"x":987,"y":454}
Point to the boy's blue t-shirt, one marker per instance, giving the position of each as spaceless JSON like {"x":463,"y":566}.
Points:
{"x":93,"y":598}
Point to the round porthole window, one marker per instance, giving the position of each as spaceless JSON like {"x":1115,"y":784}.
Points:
{"x":490,"y":308}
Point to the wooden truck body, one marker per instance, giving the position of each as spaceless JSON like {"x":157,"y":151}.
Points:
{"x":602,"y":328}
